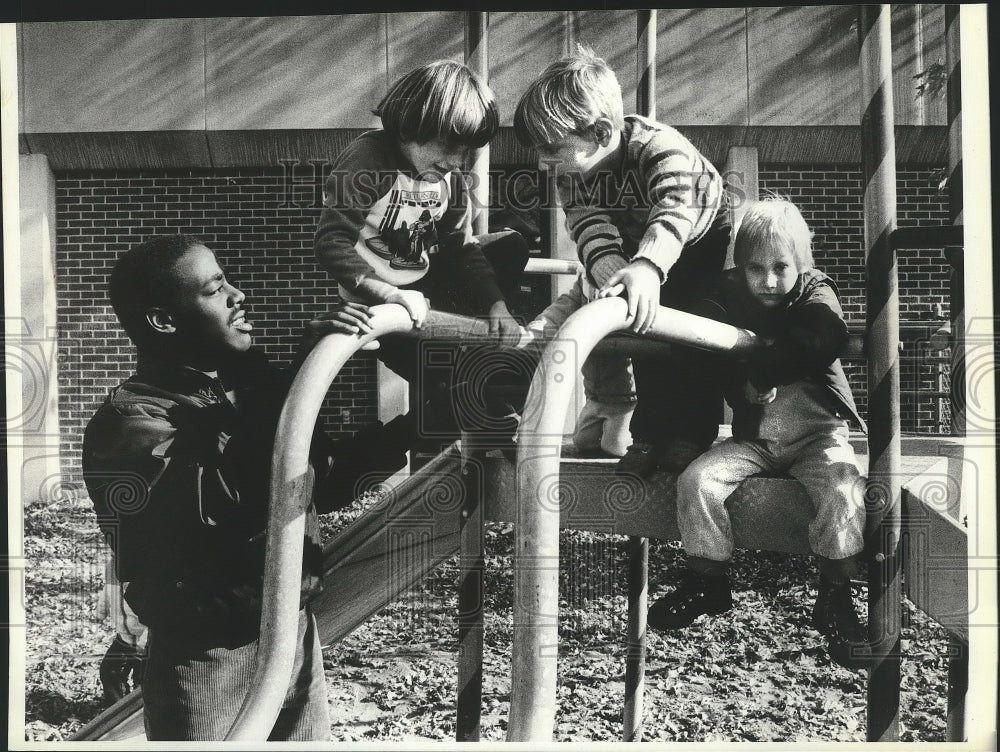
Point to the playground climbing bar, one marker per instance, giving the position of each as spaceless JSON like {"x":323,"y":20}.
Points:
{"x":958,"y":652}
{"x":470,"y":589}
{"x":536,"y":543}
{"x":477,"y":57}
{"x":638,"y":547}
{"x":878,"y":161}
{"x":291,"y":492}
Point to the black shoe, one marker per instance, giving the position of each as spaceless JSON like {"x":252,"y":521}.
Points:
{"x":677,"y":454}
{"x":122,"y":662}
{"x":834,"y":617}
{"x":640,"y":459}
{"x":696,"y":595}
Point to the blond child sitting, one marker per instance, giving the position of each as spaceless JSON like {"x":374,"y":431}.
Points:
{"x":792,"y":406}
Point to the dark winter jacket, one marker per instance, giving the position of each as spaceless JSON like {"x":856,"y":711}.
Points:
{"x":180,"y":479}
{"x":806,"y":333}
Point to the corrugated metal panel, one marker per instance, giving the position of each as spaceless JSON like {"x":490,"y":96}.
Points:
{"x":714,"y":141}
{"x":415,"y":39}
{"x":701,"y":69}
{"x":121,"y":151}
{"x":521,"y":45}
{"x":820,"y":144}
{"x":803,"y":64}
{"x":273,"y":148}
{"x":114,"y":76}
{"x":611,"y":34}
{"x":270,"y":148}
{"x":293,"y":72}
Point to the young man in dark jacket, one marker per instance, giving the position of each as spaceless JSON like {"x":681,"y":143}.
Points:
{"x":177,"y":461}
{"x":791,"y":408}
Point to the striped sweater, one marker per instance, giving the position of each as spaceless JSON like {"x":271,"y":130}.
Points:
{"x":661,"y":178}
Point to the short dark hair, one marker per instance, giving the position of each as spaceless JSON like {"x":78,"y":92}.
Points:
{"x":441,"y":101}
{"x":143,"y":278}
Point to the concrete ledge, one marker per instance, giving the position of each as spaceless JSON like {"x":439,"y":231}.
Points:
{"x":264,"y":148}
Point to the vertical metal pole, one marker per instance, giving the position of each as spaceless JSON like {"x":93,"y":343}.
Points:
{"x":470,"y":588}
{"x":638,"y":548}
{"x":635,"y":656}
{"x":477,"y":57}
{"x":470,"y":594}
{"x":645,"y":94}
{"x":918,"y":58}
{"x":955,"y":201}
{"x":470,"y":591}
{"x":958,"y":651}
{"x":878,"y":158}
{"x":958,"y":687}
{"x":556,"y":227}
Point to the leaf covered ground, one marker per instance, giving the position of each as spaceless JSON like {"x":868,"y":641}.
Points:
{"x":759,"y":673}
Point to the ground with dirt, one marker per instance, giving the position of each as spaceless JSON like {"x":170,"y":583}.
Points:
{"x":758,"y":673}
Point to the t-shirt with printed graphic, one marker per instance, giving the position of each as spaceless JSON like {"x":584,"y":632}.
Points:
{"x":380,"y":220}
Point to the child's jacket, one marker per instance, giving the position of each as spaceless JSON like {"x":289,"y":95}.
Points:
{"x":807,"y":331}
{"x":379,"y":220}
{"x":660,"y":178}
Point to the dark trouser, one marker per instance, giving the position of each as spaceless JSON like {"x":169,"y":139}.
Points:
{"x":676,"y":398}
{"x":194,"y":693}
{"x":457,"y":386}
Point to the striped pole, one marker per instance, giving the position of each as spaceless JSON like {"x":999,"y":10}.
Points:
{"x":471,"y":554}
{"x":645,"y":40}
{"x":878,"y":161}
{"x":638,"y":548}
{"x":477,"y":57}
{"x":958,"y":651}
{"x":955,"y":201}
{"x":635,"y":655}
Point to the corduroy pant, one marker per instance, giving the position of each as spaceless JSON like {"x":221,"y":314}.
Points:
{"x":194,"y":694}
{"x":822,"y":461}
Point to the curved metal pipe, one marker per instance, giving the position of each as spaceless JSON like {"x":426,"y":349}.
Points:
{"x":291,"y":493}
{"x":536,"y":554}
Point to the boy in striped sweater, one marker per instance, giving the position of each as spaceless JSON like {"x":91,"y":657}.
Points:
{"x":647,"y":212}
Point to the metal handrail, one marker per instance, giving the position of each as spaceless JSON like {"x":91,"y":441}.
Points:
{"x":291,"y":493}
{"x":536,"y":557}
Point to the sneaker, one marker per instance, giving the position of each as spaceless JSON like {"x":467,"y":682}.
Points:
{"x":696,"y":595}
{"x":640,"y":459}
{"x":834,"y":617}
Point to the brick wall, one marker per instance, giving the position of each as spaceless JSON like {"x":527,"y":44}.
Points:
{"x":830,"y":198}
{"x":261,"y":224}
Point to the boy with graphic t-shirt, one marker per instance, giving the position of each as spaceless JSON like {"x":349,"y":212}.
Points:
{"x":397,"y":221}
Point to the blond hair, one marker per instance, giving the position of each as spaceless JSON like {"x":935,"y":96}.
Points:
{"x":774,"y":221}
{"x":568,"y":97}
